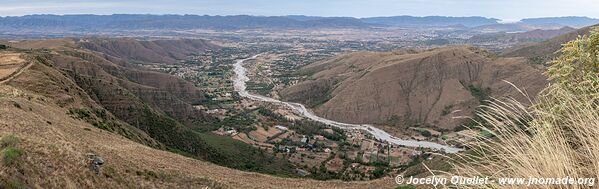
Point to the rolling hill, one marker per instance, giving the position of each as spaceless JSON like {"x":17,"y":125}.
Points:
{"x":521,"y":37}
{"x":94,"y":23}
{"x":55,"y":146}
{"x":407,"y":88}
{"x":154,"y":51}
{"x":571,"y":21}
{"x":541,"y":52}
{"x":99,"y":99}
{"x":431,"y":21}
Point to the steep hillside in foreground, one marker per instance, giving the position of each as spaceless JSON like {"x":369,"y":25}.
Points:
{"x":410,"y":88}
{"x":156,"y":104}
{"x":53,"y":148}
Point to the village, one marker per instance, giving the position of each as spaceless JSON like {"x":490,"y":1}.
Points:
{"x":318,"y":151}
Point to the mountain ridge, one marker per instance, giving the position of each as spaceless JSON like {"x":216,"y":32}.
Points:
{"x":413,"y":87}
{"x":96,"y":23}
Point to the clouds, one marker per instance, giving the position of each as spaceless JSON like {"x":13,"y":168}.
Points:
{"x":504,"y":9}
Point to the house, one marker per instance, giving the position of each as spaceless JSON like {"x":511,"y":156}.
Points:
{"x":282,"y":128}
{"x":301,"y":172}
{"x":304,"y":139}
{"x":231,"y":132}
{"x":318,"y":137}
{"x":286,"y":149}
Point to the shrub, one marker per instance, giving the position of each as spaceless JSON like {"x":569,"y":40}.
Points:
{"x":556,"y":137}
{"x":10,"y":155}
{"x":17,"y":105}
{"x":14,"y":184}
{"x":9,"y":140}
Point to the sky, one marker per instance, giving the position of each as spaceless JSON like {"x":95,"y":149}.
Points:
{"x":509,"y":10}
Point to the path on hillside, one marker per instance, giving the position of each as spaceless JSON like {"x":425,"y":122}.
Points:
{"x":240,"y":86}
{"x":26,"y":65}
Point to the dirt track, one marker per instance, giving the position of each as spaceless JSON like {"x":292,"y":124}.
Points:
{"x":11,"y":65}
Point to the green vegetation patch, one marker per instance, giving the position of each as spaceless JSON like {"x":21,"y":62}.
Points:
{"x":9,"y":141}
{"x":10,"y":150}
{"x":447,"y":110}
{"x":246,"y":157}
{"x":10,"y":155}
{"x":220,"y":150}
{"x":13,"y":184}
{"x":480,"y":93}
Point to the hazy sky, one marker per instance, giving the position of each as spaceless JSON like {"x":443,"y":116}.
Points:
{"x":502,"y":9}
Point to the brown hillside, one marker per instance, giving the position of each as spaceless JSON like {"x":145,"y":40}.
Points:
{"x":64,"y":97}
{"x":156,"y":104}
{"x":66,"y":103}
{"x":155,"y":51}
{"x":529,"y":36}
{"x":55,"y":145}
{"x":543,"y":51}
{"x":409,"y":88}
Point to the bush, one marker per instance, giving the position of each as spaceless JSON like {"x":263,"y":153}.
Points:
{"x":556,"y":137}
{"x":14,"y":184}
{"x":17,"y":105}
{"x":9,"y":141}
{"x":10,"y":155}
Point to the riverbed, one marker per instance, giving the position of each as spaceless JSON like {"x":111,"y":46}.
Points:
{"x":239,"y":84}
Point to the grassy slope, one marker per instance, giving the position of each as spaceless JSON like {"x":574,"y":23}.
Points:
{"x":414,"y":87}
{"x":54,"y":149}
{"x":556,"y":137}
{"x":113,"y":95}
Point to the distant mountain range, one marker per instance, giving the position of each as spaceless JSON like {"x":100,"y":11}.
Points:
{"x":412,"y":20}
{"x":136,"y":21}
{"x":572,"y":21}
{"x":431,"y":21}
{"x":182,"y":22}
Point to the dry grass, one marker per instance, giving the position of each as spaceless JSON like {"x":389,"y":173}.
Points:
{"x":555,"y":137}
{"x":54,"y":147}
{"x":536,"y":141}
{"x":10,"y":63}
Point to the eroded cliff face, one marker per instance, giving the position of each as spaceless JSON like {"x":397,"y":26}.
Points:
{"x":126,"y":90}
{"x":412,"y":88}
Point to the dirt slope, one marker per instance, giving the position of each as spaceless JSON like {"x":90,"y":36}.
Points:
{"x":529,"y":36}
{"x":55,"y":147}
{"x":543,"y":51}
{"x":69,"y":103}
{"x":155,"y":51}
{"x":411,"y":88}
